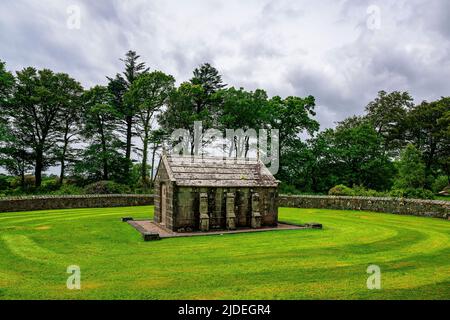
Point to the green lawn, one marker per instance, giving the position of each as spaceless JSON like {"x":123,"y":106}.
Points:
{"x":36,"y":248}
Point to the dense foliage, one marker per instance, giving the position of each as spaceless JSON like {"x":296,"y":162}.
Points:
{"x":109,"y":136}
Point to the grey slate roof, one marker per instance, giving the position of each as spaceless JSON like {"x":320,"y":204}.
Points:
{"x":218,"y":172}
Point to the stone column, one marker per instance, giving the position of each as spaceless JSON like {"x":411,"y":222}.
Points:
{"x":231,"y":216}
{"x":218,"y":216}
{"x":256,"y":216}
{"x":204,"y":218}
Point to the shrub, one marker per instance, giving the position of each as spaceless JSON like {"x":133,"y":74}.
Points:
{"x":4,"y":182}
{"x":29,"y":182}
{"x":15,"y":192}
{"x":363,"y":192}
{"x":357,"y":191}
{"x":49,"y":186}
{"x":411,"y":169}
{"x":288,"y":189}
{"x":68,"y":189}
{"x":397,"y":193}
{"x":412,"y":193}
{"x":142,"y":190}
{"x":341,"y":190}
{"x":440,"y":184}
{"x":106,"y":187}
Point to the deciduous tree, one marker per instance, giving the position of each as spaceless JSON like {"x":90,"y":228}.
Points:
{"x":428,"y":131}
{"x":36,"y":109}
{"x":101,"y":159}
{"x":387,"y":113}
{"x":149,"y":93}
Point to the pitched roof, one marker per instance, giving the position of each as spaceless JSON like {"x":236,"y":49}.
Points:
{"x":217,"y":172}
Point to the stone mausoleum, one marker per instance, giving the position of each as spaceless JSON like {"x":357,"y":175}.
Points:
{"x":208,"y":193}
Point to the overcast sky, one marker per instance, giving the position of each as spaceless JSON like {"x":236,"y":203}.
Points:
{"x":342,"y":52}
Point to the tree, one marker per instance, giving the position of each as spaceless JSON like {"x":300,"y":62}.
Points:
{"x":411,"y":169}
{"x":15,"y":156}
{"x":194,"y":101}
{"x":316,"y":169}
{"x":118,"y":86}
{"x":387,"y":113}
{"x":182,"y":111}
{"x":36,"y":109}
{"x":444,"y":160}
{"x":157,"y":139}
{"x":428,"y":130}
{"x":352,"y":154}
{"x":244,"y":110}
{"x":292,"y":117}
{"x":149,"y":93}
{"x":100,"y":121}
{"x":7,"y":83}
{"x":209,"y":78}
{"x":352,"y":122}
{"x":360,"y":159}
{"x":70,"y":124}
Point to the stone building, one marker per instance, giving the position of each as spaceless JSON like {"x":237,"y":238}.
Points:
{"x":207,"y":193}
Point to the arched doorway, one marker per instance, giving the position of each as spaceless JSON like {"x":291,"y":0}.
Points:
{"x":163,"y":203}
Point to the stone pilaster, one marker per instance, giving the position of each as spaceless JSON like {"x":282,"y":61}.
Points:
{"x":231,"y":215}
{"x":217,"y":216}
{"x":204,"y":218}
{"x":256,"y":216}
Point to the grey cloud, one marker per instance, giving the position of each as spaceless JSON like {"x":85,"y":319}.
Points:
{"x":285,"y":47}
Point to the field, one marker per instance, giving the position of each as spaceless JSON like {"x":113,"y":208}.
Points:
{"x":37,"y":247}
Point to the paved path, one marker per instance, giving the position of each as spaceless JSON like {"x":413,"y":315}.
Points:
{"x":148,"y":226}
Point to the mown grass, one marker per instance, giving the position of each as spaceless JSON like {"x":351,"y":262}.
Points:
{"x":37,"y":247}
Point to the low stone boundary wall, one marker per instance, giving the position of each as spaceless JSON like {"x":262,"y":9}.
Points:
{"x":426,"y":208}
{"x":68,"y":202}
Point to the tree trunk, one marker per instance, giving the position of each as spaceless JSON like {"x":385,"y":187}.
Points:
{"x":38,"y":168}
{"x":63,"y":156}
{"x":129,"y":121}
{"x":61,"y":175}
{"x":22,"y":178}
{"x":247,"y":146}
{"x":105,"y":158}
{"x":144,"y":156}
{"x":429,"y":163}
{"x":155,"y":147}
{"x":313,"y":182}
{"x":192,"y":148}
{"x":105,"y":162}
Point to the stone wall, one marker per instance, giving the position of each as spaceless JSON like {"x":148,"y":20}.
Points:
{"x":68,"y":202}
{"x":427,"y":208}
